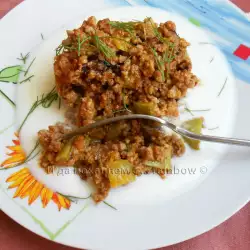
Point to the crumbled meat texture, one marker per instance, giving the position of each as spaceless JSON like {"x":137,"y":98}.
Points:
{"x":97,"y":86}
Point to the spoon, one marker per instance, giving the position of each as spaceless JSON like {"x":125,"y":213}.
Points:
{"x":177,"y":129}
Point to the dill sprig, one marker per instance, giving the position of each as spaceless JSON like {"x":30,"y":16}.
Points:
{"x":222,"y":87}
{"x":213,"y":128}
{"x":27,"y":70}
{"x":59,"y":103}
{"x":24,"y":58}
{"x":103,"y":48}
{"x":125,"y":107}
{"x":7,"y":98}
{"x":199,"y":110}
{"x":80,"y":43}
{"x":27,"y":79}
{"x":159,"y":63}
{"x":59,"y":49}
{"x":126,"y":26}
{"x":45,"y":101}
{"x":106,"y":203}
{"x":188,"y":110}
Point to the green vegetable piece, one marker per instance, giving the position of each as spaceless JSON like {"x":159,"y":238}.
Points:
{"x":64,"y":154}
{"x":10,"y":74}
{"x":120,"y":173}
{"x":166,"y":164}
{"x":195,"y":126}
{"x":146,"y":108}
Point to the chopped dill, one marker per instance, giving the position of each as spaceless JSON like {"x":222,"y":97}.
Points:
{"x":199,"y":110}
{"x":213,"y":128}
{"x":45,"y":101}
{"x":103,"y":48}
{"x":24,"y":58}
{"x":42,"y":36}
{"x":159,"y":63}
{"x":125,"y":107}
{"x":80,"y":43}
{"x":59,"y":49}
{"x":188,"y":110}
{"x":222,"y":87}
{"x":7,"y":98}
{"x":27,"y":70}
{"x":59,"y":103}
{"x":106,"y":203}
{"x":211,"y":59}
{"x":27,"y":79}
{"x":126,"y":26}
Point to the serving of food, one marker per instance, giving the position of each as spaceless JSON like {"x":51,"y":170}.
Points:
{"x":109,"y":64}
{"x":110,"y":68}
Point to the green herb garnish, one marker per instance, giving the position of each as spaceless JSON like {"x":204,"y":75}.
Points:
{"x":42,"y":36}
{"x":222,"y":88}
{"x":24,"y":58}
{"x":213,"y":128}
{"x":188,"y":110}
{"x":211,"y":59}
{"x":126,"y":26}
{"x":160,"y":64}
{"x":80,"y":43}
{"x":103,"y":48}
{"x":59,"y":103}
{"x":45,"y":101}
{"x":7,"y":98}
{"x":106,"y":203}
{"x":27,"y":70}
{"x":59,"y":49}
{"x":27,"y":79}
{"x":199,"y":110}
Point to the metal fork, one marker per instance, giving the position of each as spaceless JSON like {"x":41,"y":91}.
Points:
{"x":177,"y":129}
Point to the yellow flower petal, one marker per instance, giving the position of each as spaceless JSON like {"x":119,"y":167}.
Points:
{"x":22,"y":185}
{"x":46,"y":196}
{"x":15,"y":176}
{"x":13,"y":159}
{"x":17,"y":154}
{"x":26,"y":189}
{"x":55,"y":199}
{"x":19,"y":181}
{"x":35,"y":192}
{"x":65,"y":203}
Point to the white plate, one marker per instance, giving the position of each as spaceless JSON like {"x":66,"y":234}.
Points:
{"x":151,"y":212}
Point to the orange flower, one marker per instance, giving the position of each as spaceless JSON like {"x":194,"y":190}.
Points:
{"x":27,"y":186}
{"x":17,"y":155}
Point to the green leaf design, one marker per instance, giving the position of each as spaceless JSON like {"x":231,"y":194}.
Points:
{"x":10,"y":74}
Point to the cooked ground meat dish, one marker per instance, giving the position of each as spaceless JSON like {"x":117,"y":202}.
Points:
{"x":110,"y":68}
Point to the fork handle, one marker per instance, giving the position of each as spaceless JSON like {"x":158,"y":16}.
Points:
{"x":210,"y":138}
